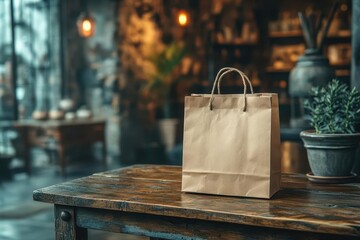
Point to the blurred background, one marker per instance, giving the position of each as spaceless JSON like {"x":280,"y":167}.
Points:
{"x":91,"y":85}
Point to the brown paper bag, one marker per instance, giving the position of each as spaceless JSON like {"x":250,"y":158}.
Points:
{"x":232,"y":142}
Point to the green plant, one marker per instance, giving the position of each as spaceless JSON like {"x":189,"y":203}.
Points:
{"x":165,"y":63}
{"x":334,"y":108}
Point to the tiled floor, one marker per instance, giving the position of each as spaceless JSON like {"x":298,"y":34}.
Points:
{"x":23,"y":219}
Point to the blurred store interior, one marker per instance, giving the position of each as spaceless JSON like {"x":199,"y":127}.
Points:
{"x":88,"y":85}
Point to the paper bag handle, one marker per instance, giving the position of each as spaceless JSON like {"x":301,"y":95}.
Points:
{"x":219,"y":77}
{"x":240,"y":72}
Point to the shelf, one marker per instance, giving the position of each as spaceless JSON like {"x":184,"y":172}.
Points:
{"x":342,"y":73}
{"x":341,"y":34}
{"x":340,"y":64}
{"x":271,"y":69}
{"x":344,"y":34}
{"x":242,"y":44}
{"x":289,"y":34}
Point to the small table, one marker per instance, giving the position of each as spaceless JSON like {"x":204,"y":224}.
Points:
{"x":66,"y":133}
{"x":147,"y":200}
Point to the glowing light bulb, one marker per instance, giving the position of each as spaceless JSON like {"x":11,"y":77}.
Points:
{"x":183,"y":18}
{"x":86,"y":25}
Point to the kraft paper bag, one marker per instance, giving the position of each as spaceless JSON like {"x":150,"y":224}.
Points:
{"x":232,"y":142}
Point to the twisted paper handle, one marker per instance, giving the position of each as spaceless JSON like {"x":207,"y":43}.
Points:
{"x":219,"y":77}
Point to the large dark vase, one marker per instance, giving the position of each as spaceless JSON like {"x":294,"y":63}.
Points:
{"x":311,"y":70}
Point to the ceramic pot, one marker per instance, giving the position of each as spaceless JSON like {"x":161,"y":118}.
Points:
{"x":56,"y":114}
{"x":39,"y":115}
{"x":330,"y":155}
{"x":168,"y":129}
{"x":83,"y":113}
{"x":66,"y":104}
{"x":70,"y":115}
{"x":311,"y":70}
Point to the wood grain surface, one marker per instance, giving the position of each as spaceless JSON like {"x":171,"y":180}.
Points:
{"x":155,"y":190}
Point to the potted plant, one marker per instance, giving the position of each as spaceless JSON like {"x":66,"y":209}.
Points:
{"x":333,"y":111}
{"x":166,"y":64}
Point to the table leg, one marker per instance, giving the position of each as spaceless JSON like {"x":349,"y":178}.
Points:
{"x":104,"y":154}
{"x":65,"y":224}
{"x":61,"y":155}
{"x":27,"y":153}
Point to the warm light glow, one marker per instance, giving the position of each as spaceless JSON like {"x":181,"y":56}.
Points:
{"x":344,"y":7}
{"x":183,"y":18}
{"x":86,"y":25}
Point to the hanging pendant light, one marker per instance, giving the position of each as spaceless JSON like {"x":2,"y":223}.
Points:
{"x":183,"y":18}
{"x":86,"y":23}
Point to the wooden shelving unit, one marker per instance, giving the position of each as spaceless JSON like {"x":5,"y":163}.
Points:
{"x":343,"y":73}
{"x":343,"y":34}
{"x":289,"y":34}
{"x":236,"y":44}
{"x":340,"y":64}
{"x":271,"y":69}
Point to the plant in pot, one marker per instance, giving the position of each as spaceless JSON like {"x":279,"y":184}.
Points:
{"x":333,"y":111}
{"x":166,"y":63}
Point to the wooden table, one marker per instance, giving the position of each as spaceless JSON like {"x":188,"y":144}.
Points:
{"x":66,"y":133}
{"x":146,"y":200}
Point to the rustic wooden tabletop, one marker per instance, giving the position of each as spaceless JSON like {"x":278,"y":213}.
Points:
{"x":156,"y":190}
